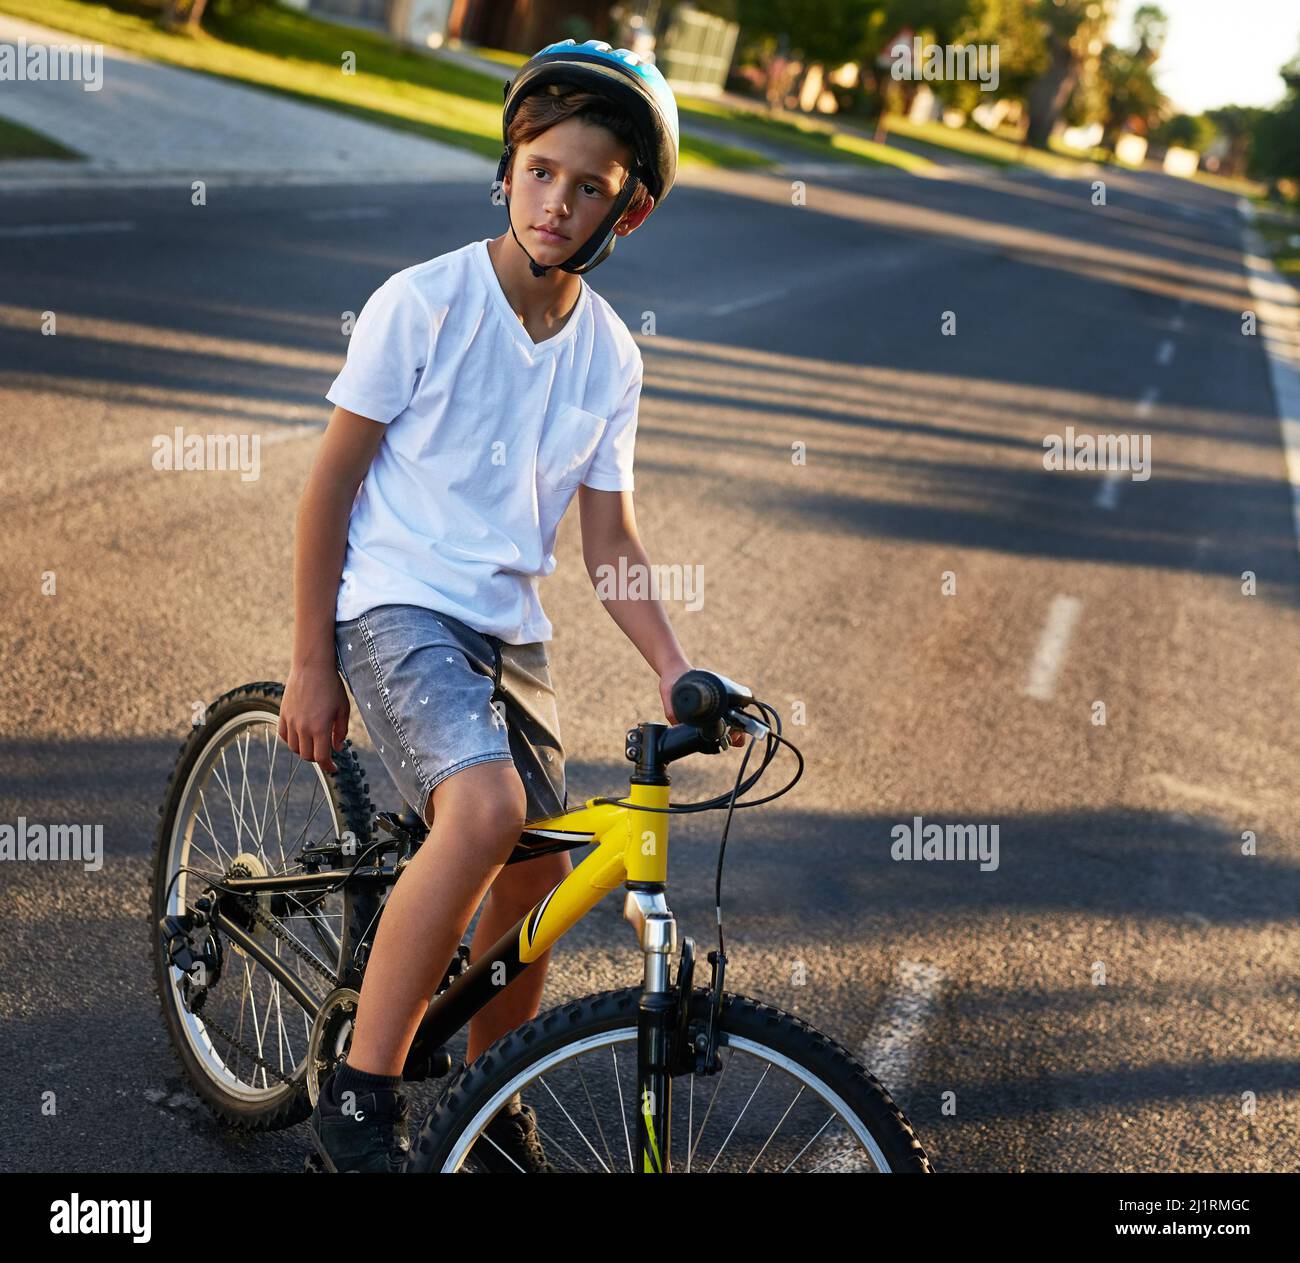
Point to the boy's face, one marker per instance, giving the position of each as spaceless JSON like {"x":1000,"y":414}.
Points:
{"x":566,"y":179}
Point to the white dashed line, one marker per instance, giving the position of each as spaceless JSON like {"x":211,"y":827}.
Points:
{"x":349,"y":212}
{"x":1149,"y":396}
{"x":1108,"y":491}
{"x":1062,"y":615}
{"x":61,"y":230}
{"x":754,"y":300}
{"x":892,"y":1051}
{"x":1165,"y":351}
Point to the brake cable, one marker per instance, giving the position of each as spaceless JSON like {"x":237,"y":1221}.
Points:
{"x":772,"y":740}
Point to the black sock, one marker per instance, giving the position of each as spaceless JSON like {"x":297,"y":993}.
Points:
{"x":347,"y":1079}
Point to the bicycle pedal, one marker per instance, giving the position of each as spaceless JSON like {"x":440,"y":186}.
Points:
{"x":312,"y":1165}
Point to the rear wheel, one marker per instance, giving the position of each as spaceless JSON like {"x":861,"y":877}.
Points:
{"x":240,"y":802}
{"x":787,"y":1099}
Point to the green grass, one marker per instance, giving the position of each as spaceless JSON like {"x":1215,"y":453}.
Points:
{"x":980,"y":146}
{"x":814,"y":138}
{"x":1230,"y":183}
{"x":1282,"y":240}
{"x":17,"y":141}
{"x":301,"y":57}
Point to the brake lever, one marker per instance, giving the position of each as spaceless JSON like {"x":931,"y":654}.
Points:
{"x":739,"y":719}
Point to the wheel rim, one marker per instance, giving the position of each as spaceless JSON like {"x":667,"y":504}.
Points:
{"x":249,"y":793}
{"x":771,"y":1096}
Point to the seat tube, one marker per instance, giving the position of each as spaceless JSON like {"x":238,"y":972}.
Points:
{"x":657,"y":928}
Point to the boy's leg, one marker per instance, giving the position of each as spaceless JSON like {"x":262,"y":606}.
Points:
{"x":479,"y":816}
{"x":514,"y":892}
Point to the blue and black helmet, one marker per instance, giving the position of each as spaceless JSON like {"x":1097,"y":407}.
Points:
{"x":629,"y":81}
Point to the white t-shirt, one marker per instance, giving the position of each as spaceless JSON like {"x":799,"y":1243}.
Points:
{"x":489,"y":435}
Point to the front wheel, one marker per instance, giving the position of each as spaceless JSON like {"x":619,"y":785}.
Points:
{"x":786,"y":1099}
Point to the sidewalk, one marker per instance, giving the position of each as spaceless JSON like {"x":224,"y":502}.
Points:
{"x":719,"y":132}
{"x":151,"y":123}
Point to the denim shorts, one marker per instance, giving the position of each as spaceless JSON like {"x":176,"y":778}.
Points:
{"x":437,"y":696}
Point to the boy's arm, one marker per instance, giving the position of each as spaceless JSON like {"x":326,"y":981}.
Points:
{"x":314,"y":709}
{"x":608,"y":533}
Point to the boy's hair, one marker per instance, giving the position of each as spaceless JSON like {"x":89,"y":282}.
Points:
{"x":541,"y":110}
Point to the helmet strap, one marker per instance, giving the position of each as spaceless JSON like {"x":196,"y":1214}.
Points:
{"x":596,"y":249}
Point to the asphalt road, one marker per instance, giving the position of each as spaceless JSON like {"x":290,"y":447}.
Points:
{"x":775,"y":323}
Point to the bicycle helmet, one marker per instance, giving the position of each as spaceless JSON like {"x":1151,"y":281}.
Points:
{"x":633,"y":84}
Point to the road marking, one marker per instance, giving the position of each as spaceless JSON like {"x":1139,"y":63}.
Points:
{"x":1149,"y":396}
{"x":1206,"y":794}
{"x":817,"y":279}
{"x":59,"y":230}
{"x":1176,"y":324}
{"x":754,"y":300}
{"x":1108,"y":491}
{"x":283,"y":434}
{"x":350,"y":212}
{"x":893,"y":1048}
{"x":1062,"y":615}
{"x":1279,"y":323}
{"x":1165,"y":352}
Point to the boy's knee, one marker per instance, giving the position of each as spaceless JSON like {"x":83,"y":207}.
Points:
{"x":487,"y":799}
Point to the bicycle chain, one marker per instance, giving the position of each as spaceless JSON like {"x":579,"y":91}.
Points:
{"x":213,"y":1025}
{"x":250,"y":902}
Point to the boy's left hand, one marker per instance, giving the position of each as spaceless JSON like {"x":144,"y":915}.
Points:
{"x":666,"y":682}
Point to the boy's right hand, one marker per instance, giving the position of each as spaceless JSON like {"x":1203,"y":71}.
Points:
{"x":314,"y":714}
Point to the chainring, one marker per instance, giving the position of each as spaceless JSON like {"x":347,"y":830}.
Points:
{"x":331,"y":1033}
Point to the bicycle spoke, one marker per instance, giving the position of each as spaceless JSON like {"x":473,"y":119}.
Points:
{"x":810,"y":1143}
{"x":777,"y":1128}
{"x":575,"y":1126}
{"x":690,"y":1123}
{"x":236,"y":815}
{"x":704,"y":1122}
{"x":595,"y":1117}
{"x":622,"y":1109}
{"x":741,"y":1115}
{"x":556,"y":1145}
{"x":242,"y":751}
{"x":216,"y":841}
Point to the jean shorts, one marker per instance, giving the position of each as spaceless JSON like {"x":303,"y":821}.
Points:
{"x":437,"y":696}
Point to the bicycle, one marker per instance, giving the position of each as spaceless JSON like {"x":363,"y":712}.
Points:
{"x":288,"y":929}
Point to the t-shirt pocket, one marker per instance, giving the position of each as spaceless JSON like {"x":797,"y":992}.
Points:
{"x":568,"y":447}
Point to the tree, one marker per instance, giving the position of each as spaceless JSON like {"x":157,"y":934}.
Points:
{"x":1150,"y":27}
{"x":184,"y":15}
{"x":1073,"y":32}
{"x":1187,"y":131}
{"x":1236,"y":125}
{"x":1275,"y":151}
{"x":1133,"y":100}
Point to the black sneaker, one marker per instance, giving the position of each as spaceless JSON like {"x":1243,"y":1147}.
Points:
{"x":510,"y":1142}
{"x":375,"y":1137}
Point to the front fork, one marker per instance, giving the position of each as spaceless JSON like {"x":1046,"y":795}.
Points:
{"x":672,"y":1039}
{"x":656,"y":927}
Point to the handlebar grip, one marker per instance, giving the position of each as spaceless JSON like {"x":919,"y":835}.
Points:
{"x":695,"y":695}
{"x":702,"y":697}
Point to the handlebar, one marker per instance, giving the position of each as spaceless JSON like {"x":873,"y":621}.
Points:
{"x":702,"y":697}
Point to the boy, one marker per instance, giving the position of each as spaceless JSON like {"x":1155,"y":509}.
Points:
{"x":482,"y":390}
